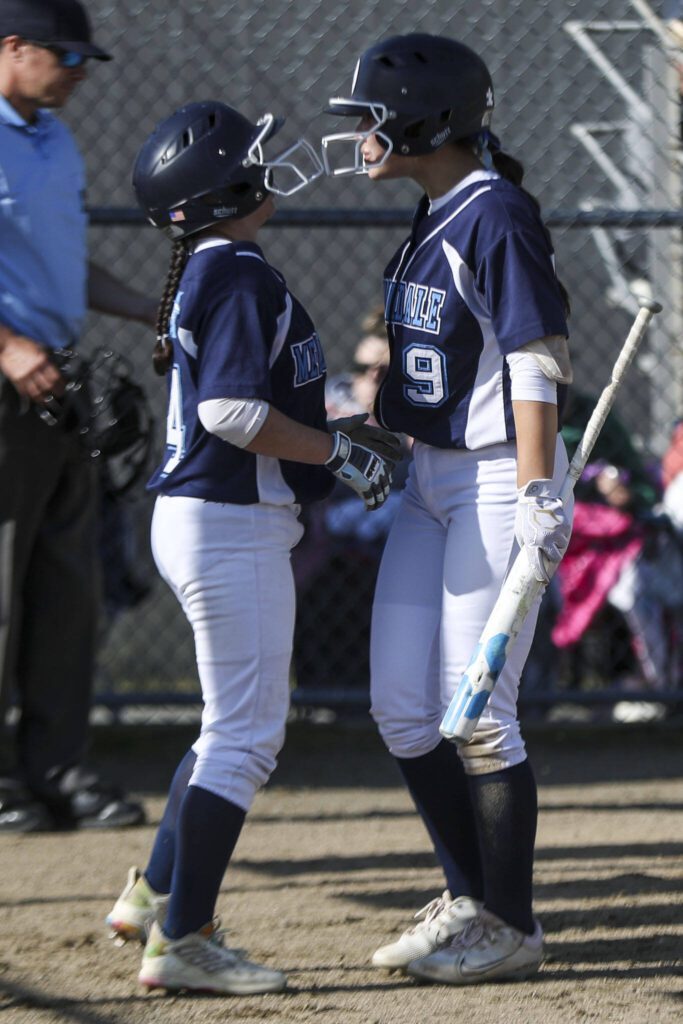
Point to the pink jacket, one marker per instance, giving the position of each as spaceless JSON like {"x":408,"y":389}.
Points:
{"x":603,"y":541}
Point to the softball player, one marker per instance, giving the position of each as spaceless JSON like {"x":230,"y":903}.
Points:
{"x":247,"y":442}
{"x":477,"y":328}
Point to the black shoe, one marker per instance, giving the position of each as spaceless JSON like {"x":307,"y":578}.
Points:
{"x":104,"y":807}
{"x":19,"y":809}
{"x":25,"y":816}
{"x":77,"y":799}
{"x":87,"y":802}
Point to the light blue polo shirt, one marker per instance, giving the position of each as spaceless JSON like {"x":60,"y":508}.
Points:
{"x":43,"y":255}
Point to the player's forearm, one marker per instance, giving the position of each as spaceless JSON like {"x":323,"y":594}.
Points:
{"x":283,"y":438}
{"x":536,"y":429}
{"x":5,"y":335}
{"x":106,"y":294}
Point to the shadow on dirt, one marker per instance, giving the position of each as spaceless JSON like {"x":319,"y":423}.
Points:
{"x":350,"y":753}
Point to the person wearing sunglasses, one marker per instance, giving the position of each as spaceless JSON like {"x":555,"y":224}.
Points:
{"x":65,"y":58}
{"x":48,"y":492}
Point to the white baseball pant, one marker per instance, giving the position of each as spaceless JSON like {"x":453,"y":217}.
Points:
{"x":444,"y":562}
{"x":229,"y":566}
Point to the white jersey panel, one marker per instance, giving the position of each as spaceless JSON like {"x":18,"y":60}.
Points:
{"x":283,"y":324}
{"x":272,"y":488}
{"x":486,"y":417}
{"x":187,"y":341}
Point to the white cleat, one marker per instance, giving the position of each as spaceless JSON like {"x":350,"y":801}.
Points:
{"x":138,"y":906}
{"x":200,"y":963}
{"x":440,"y":920}
{"x":485,"y":950}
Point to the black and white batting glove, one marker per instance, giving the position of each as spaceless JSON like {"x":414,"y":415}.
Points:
{"x":361,"y":469}
{"x":385,"y":444}
{"x":542,"y":527}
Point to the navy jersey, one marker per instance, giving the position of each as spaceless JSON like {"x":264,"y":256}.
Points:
{"x":237,"y":332}
{"x":475,"y":281}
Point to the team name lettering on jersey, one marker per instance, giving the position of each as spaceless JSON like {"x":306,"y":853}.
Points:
{"x":309,"y":361}
{"x":414,"y":305}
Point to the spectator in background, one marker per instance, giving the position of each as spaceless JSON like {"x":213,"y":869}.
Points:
{"x":621,"y":555}
{"x":614,"y":446}
{"x":354,"y":391}
{"x":672,"y":15}
{"x":335,"y":565}
{"x":48,"y":494}
{"x":672,"y":478}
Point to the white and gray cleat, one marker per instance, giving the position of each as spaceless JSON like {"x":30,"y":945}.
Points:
{"x":199,"y":962}
{"x":439,"y":921}
{"x":487,"y":949}
{"x":134,"y":912}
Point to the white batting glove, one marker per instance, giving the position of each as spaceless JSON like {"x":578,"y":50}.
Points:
{"x":361,"y":469}
{"x":541,"y":526}
{"x":385,"y":444}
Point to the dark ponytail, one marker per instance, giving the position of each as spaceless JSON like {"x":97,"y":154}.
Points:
{"x":512,"y":170}
{"x":162,"y":357}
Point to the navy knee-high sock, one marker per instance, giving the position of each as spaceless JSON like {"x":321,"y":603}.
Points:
{"x":208,"y":828}
{"x":438,"y":786}
{"x":160,"y":866}
{"x":506,"y":810}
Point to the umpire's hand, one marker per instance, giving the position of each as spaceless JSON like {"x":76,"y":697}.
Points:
{"x":27,"y":366}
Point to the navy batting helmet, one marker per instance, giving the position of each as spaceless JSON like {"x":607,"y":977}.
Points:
{"x":421,"y":92}
{"x":205,"y":163}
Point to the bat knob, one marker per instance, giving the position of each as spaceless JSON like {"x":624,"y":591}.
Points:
{"x":646,"y":303}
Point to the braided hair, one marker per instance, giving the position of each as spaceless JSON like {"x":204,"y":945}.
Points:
{"x":162,"y":357}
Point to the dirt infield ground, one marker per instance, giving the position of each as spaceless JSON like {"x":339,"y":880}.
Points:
{"x":332,"y":861}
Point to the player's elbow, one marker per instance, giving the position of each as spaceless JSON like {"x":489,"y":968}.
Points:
{"x":235,"y":420}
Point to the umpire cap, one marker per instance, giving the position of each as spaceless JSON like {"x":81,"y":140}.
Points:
{"x":62,"y":22}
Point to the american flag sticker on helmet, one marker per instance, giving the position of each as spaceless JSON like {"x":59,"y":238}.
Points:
{"x":176,"y":215}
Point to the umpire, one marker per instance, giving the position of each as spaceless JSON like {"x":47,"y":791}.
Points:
{"x":48,"y":494}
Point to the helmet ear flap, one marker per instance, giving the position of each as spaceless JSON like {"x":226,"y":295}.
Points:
{"x":414,"y":129}
{"x":241,"y":196}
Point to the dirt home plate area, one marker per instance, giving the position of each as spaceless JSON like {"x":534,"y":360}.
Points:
{"x":333,"y":862}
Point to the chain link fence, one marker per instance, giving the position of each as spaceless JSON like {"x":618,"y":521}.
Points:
{"x":588,"y":97}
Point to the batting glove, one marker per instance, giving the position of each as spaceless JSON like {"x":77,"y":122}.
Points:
{"x":382,"y":442}
{"x":541,"y":527}
{"x":361,"y":469}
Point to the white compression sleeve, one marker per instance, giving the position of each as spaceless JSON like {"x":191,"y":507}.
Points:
{"x":527,"y":380}
{"x":235,"y":420}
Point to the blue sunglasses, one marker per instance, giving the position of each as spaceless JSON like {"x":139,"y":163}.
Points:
{"x":66,"y":58}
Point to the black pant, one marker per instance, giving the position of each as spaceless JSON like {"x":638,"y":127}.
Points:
{"x":48,"y":591}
